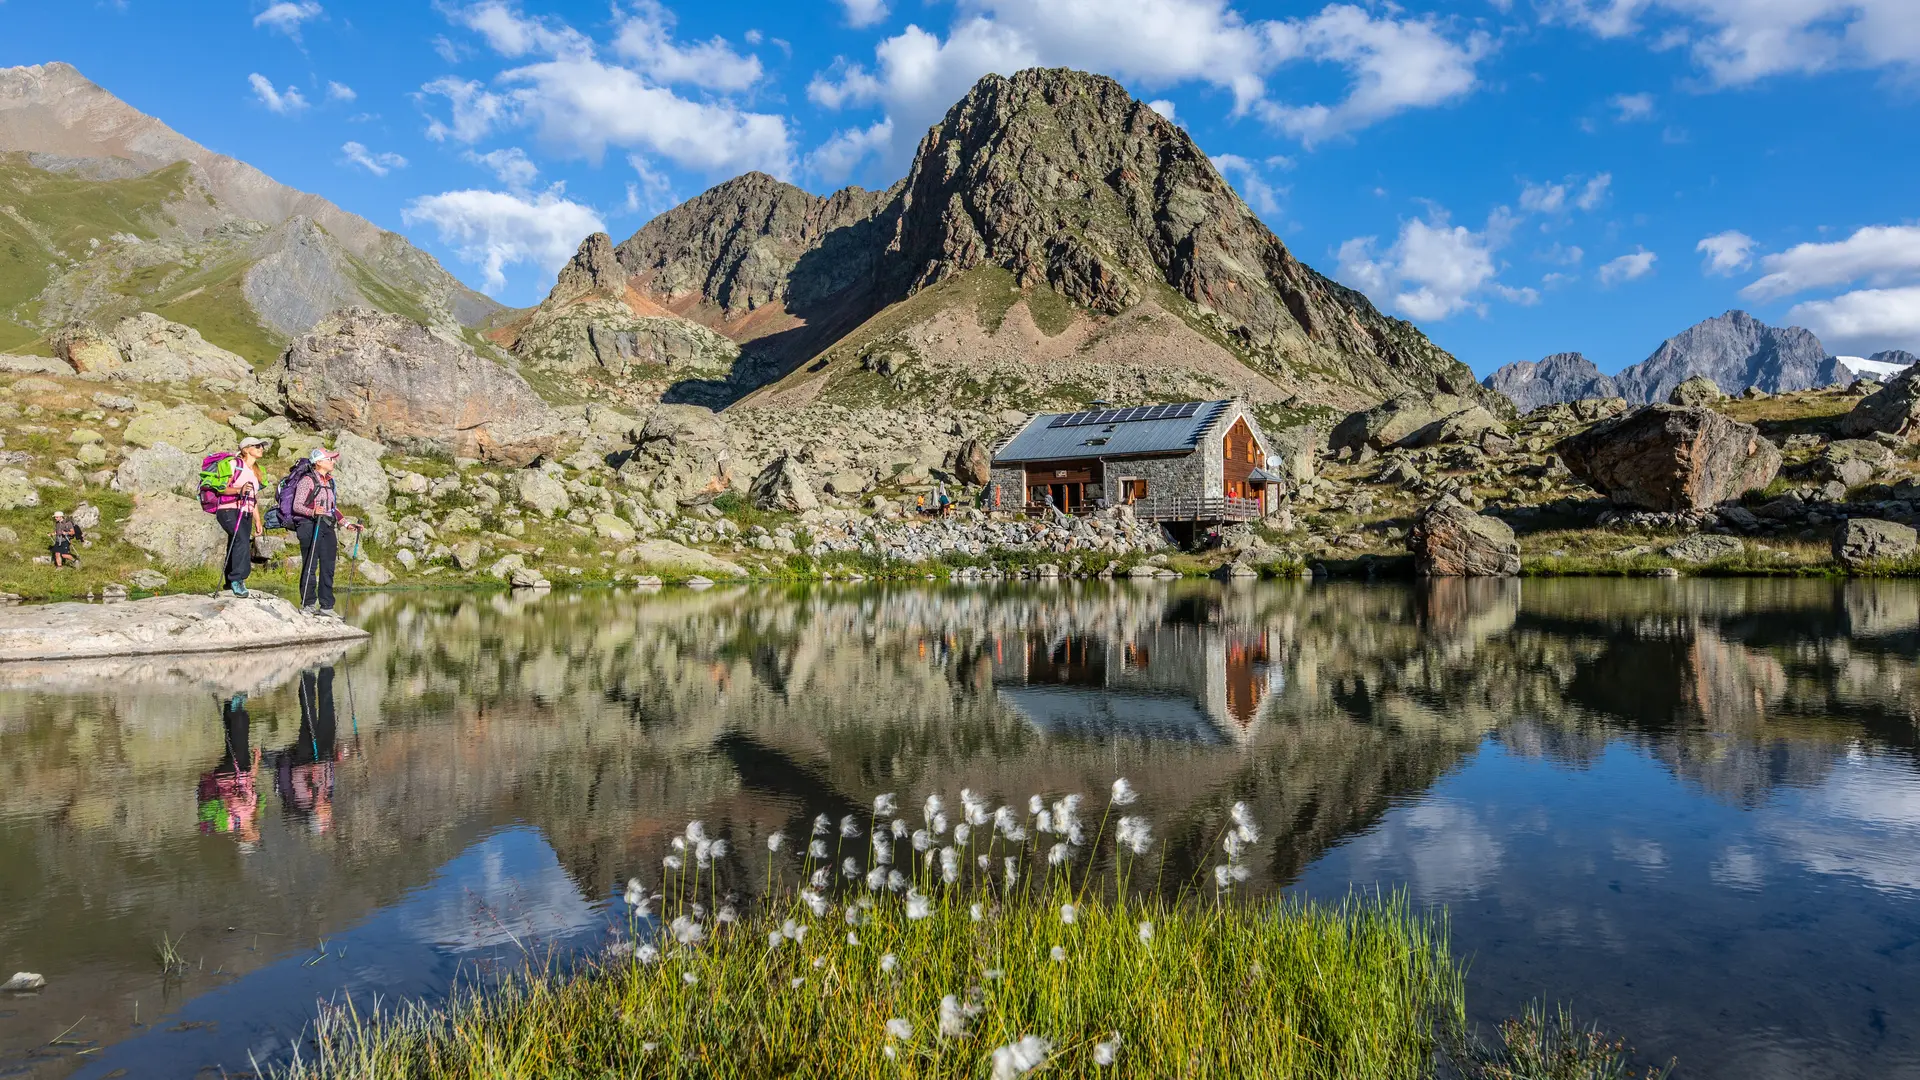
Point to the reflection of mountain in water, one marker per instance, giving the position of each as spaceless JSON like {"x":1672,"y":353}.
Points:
{"x":607,"y":720}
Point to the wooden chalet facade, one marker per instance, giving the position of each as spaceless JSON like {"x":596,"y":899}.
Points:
{"x":1193,"y":461}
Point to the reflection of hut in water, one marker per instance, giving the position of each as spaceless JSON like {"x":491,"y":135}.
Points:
{"x":1176,"y":682}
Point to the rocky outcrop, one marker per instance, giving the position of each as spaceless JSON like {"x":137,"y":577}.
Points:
{"x":603,"y":337}
{"x":1890,"y":410}
{"x":682,"y":456}
{"x":1449,"y":540}
{"x":1669,"y":457}
{"x":1861,"y":541}
{"x":387,"y":378}
{"x":1697,"y":390}
{"x":156,"y":469}
{"x":782,"y":486}
{"x":1413,"y":421}
{"x":973,"y":462}
{"x":184,"y":427}
{"x":162,"y":624}
{"x":1569,"y":376}
{"x":146,"y":348}
{"x":594,"y":270}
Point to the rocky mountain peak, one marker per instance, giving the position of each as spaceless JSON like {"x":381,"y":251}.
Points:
{"x":1567,"y":376}
{"x":593,"y":270}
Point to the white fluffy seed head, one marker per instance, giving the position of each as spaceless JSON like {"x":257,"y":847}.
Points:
{"x":1069,"y":913}
{"x":1058,"y":854}
{"x":876,"y":879}
{"x":646,"y":954}
{"x":953,"y":1018}
{"x":1244,"y":825}
{"x":896,"y":881}
{"x":950,"y":866}
{"x":775,"y":939}
{"x":820,"y":878}
{"x":1223,"y":876}
{"x":900,"y":828}
{"x":849,"y":827}
{"x":922,"y":839}
{"x":689,"y":978}
{"x":1035,"y":804}
{"x":962,"y":833}
{"x":678,"y":843}
{"x":1016,"y":1059}
{"x":822,"y":825}
{"x":1059,"y":953}
{"x":853,"y":939}
{"x":1107,"y":1051}
{"x":1012,"y":866}
{"x":1123,"y":793}
{"x":817,"y":850}
{"x":935,"y":806}
{"x":888,"y":962}
{"x":671,"y":862}
{"x":919,"y":906}
{"x":850,"y":868}
{"x":816,"y":902}
{"x":696,"y":831}
{"x":898,"y":1028}
{"x":978,"y":911}
{"x":776,"y":841}
{"x":1135,"y":834}
{"x":939,"y":824}
{"x":885,"y":805}
{"x":1146,"y":933}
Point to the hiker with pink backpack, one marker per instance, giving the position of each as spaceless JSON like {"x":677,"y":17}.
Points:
{"x":230,"y":491}
{"x":309,"y":501}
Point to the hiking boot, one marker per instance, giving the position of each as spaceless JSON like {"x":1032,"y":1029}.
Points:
{"x":239,"y":589}
{"x":310,"y":609}
{"x":328,"y":613}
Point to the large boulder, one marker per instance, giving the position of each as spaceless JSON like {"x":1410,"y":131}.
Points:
{"x":1671,"y":457}
{"x":17,"y":490}
{"x":1393,"y":421}
{"x":147,"y":348}
{"x":389,"y":378}
{"x":174,"y":530}
{"x":1892,"y":409}
{"x":782,"y":486}
{"x":358,"y":478}
{"x":1449,"y":540}
{"x":541,"y":491}
{"x":184,"y":427}
{"x":1698,"y":390}
{"x":1860,"y":541}
{"x":678,"y":560}
{"x":973,"y":463}
{"x":1296,"y":451}
{"x":683,"y":455}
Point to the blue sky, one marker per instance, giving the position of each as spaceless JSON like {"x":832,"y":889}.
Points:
{"x":1518,"y":177}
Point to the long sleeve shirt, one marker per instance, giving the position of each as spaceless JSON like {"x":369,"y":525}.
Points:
{"x":313,"y":497}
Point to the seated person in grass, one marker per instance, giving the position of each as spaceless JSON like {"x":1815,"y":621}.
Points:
{"x":66,"y":532}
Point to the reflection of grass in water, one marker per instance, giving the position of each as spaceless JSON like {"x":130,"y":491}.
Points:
{"x":173,"y":963}
{"x":1542,"y":1046}
{"x":986,"y":949}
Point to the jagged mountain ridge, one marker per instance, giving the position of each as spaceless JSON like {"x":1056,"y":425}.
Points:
{"x":1733,"y":349}
{"x":214,"y":236}
{"x":1080,"y":193}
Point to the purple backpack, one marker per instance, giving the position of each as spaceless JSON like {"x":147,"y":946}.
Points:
{"x":283,"y":497}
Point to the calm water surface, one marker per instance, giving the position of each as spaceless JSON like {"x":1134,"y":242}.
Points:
{"x":1690,"y":809}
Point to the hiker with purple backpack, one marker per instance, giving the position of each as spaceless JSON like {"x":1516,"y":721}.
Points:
{"x":230,"y":491}
{"x":314,"y":507}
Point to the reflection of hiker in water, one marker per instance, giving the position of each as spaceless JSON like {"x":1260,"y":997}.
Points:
{"x":228,"y":797}
{"x":304,"y":773}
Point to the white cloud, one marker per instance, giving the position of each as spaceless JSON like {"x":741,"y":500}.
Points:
{"x":1543,"y":198}
{"x":476,"y":111}
{"x":864,"y":12}
{"x":835,"y":159}
{"x":1877,"y":254}
{"x":1637,"y":264}
{"x":1594,"y":193}
{"x":1394,"y":64}
{"x":285,"y":17}
{"x":652,"y":192}
{"x":1628,"y":108}
{"x":496,"y":229}
{"x":1435,"y":269}
{"x":377,"y":164}
{"x":510,"y":165}
{"x":285,"y":102}
{"x":1726,"y":253}
{"x":645,"y":37}
{"x":448,"y":49}
{"x":579,"y":105}
{"x":1553,"y":199}
{"x":1164,"y":108}
{"x":1253,"y":187}
{"x":1740,"y":41}
{"x":340,"y":92}
{"x":582,"y":106}
{"x":1866,"y":320}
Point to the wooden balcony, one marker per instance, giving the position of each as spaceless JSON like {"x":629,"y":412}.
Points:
{"x":1177,"y":508}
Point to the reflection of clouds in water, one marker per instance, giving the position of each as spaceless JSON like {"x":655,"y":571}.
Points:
{"x":1738,"y":867}
{"x":507,"y":888}
{"x":1440,"y":847}
{"x":1644,"y":853}
{"x":1863,"y":823}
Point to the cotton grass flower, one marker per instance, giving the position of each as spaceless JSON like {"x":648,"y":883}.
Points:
{"x":899,"y":828}
{"x":1058,"y":854}
{"x":973,"y":807}
{"x":850,"y":868}
{"x":853,"y":939}
{"x":1035,"y":804}
{"x":1059,"y":954}
{"x":775,"y":939}
{"x":935,"y":806}
{"x":796,"y":983}
{"x":727,"y":914}
{"x":686,"y":931}
{"x":1135,"y":834}
{"x":671,"y":862}
{"x":817,"y":850}
{"x":898,"y":1028}
{"x":885,"y":805}
{"x":1069,"y":913}
{"x":776,"y":841}
{"x":678,"y":843}
{"x":1146,"y":933}
{"x":822,"y":825}
{"x":962,"y":833}
{"x":1123,"y":793}
{"x":978,"y":911}
{"x":646,"y":954}
{"x":939,"y":824}
{"x":918,"y":904}
{"x":815,"y":902}
{"x":849,"y":828}
{"x":796,"y":932}
{"x":689,"y":978}
{"x":950,"y":866}
{"x":888,"y":962}
{"x":876,"y":879}
{"x":1107,"y":1051}
{"x":922,"y":839}
{"x":1243,"y":823}
{"x":1012,"y":866}
{"x":1016,"y":1059}
{"x":696,"y":831}
{"x":896,"y":881}
{"x":954,"y":1017}
{"x":820,"y":878}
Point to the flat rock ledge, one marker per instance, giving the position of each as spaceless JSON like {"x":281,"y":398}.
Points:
{"x":160,"y":625}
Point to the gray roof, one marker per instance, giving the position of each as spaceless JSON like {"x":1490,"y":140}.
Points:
{"x":1059,"y":436}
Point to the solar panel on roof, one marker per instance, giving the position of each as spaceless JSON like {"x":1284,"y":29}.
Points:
{"x":1125,"y":416}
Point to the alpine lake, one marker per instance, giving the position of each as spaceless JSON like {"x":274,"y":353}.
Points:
{"x":1689,"y":810}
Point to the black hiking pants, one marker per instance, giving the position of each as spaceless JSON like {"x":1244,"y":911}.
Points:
{"x":319,"y":547}
{"x":238,"y":525}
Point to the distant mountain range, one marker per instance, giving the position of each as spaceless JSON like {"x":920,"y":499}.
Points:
{"x":110,"y":212}
{"x":1735,"y":350}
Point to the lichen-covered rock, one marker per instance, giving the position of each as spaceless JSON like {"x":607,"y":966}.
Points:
{"x":1860,"y":541}
{"x":602,"y":336}
{"x":612,"y":528}
{"x":1703,"y":548}
{"x":1393,"y":422}
{"x":174,"y":530}
{"x":1449,"y":540}
{"x":183,"y":426}
{"x":782,"y":486}
{"x":17,"y":490}
{"x":541,"y":491}
{"x":388,"y":378}
{"x":1671,"y":457}
{"x":1698,"y":390}
{"x":373,"y":573}
{"x":146,"y":348}
{"x":973,"y":463}
{"x":683,"y":455}
{"x":357,"y":476}
{"x":1893,"y":409}
{"x":1296,"y":451}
